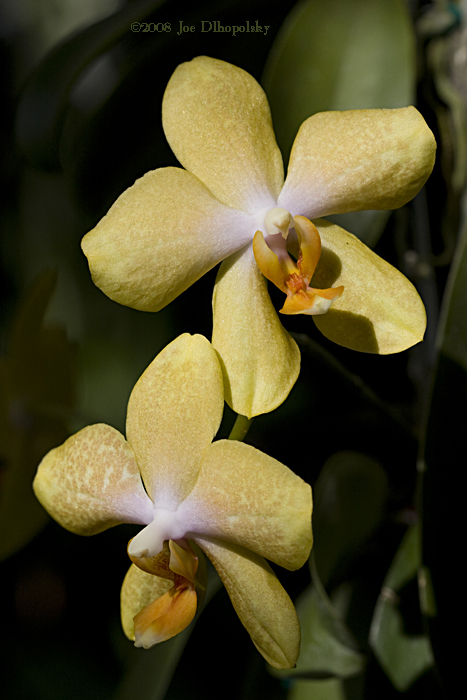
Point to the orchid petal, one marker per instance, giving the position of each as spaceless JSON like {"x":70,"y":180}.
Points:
{"x":161,"y":235}
{"x":261,"y":603}
{"x":379,"y":311}
{"x":260,"y":360}
{"x":92,"y":482}
{"x":268,"y":510}
{"x":174,"y":411}
{"x":217,"y":121}
{"x":139,"y":590}
{"x":359,"y":159}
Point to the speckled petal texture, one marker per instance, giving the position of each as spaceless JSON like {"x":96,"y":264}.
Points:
{"x":379,"y":311}
{"x":218,"y":123}
{"x":359,"y":159}
{"x":161,"y":235}
{"x":261,"y":603}
{"x":260,"y":360}
{"x":92,"y":482}
{"x":174,"y":411}
{"x":245,"y":496}
{"x":139,"y":589}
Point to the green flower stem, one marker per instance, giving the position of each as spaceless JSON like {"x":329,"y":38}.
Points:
{"x":240,"y":428}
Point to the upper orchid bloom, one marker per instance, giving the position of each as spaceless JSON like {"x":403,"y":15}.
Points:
{"x":174,"y":225}
{"x":225,"y":498}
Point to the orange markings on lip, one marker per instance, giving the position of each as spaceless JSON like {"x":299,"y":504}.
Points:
{"x":166,"y":616}
{"x":295,"y":282}
{"x":293,"y":279}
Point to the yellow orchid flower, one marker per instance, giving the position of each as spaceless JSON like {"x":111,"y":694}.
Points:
{"x":224,"y":498}
{"x":174,"y":225}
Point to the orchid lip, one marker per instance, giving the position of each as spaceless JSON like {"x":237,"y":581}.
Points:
{"x":292,"y":277}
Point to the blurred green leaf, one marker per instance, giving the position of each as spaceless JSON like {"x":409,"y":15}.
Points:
{"x":329,"y":689}
{"x":338,"y":55}
{"x":350,"y":497}
{"x":403,"y":657}
{"x":36,"y":395}
{"x":438,"y":18}
{"x":327,"y":646}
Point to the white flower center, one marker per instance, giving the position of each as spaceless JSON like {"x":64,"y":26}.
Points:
{"x":166,"y":525}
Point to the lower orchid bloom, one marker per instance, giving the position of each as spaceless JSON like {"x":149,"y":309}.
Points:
{"x":231,"y":204}
{"x":224,"y":498}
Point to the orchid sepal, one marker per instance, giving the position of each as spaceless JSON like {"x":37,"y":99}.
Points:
{"x":260,"y":360}
{"x":257,"y":596}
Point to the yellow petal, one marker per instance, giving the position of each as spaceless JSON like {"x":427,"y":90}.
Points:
{"x":359,"y":159}
{"x":161,"y":235}
{"x":263,"y":606}
{"x":379,"y":311}
{"x":92,"y":482}
{"x":260,"y":360}
{"x":139,"y":590}
{"x":245,"y":496}
{"x":218,"y":123}
{"x":174,"y":411}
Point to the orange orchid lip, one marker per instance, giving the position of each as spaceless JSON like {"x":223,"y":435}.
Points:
{"x":166,"y":616}
{"x":169,"y":614}
{"x":293,"y":278}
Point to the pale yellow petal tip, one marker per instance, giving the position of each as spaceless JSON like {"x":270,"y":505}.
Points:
{"x":260,"y":361}
{"x":269,"y":390}
{"x":165,"y":617}
{"x":281,"y":651}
